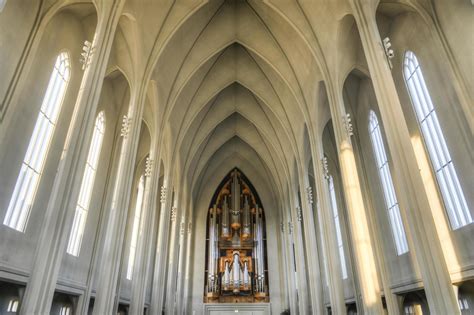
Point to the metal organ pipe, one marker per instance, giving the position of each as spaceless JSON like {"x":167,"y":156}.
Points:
{"x":235,"y":218}
{"x":259,"y":259}
{"x":246,"y":219}
{"x":236,"y":271}
{"x":212,"y":258}
{"x":225,"y":219}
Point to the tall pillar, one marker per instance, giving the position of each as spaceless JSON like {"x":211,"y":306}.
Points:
{"x":159,"y":274}
{"x":114,"y":233}
{"x":176,"y":219}
{"x":377,"y":235}
{"x":290,"y":263}
{"x":357,"y":213}
{"x":184,"y":255}
{"x":59,"y":214}
{"x":415,"y":207}
{"x":311,"y":248}
{"x":295,"y":230}
{"x":184,"y":306}
{"x":140,"y":272}
{"x":328,"y":229}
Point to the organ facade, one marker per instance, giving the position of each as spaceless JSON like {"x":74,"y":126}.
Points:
{"x":236,"y":269}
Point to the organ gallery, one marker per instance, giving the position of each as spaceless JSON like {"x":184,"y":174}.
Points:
{"x":236,"y":268}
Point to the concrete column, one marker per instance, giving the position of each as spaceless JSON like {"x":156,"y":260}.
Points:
{"x":184,"y":307}
{"x":117,"y":217}
{"x":140,"y":272}
{"x":159,"y":275}
{"x":311,"y":248}
{"x":390,"y":298}
{"x":289,"y":259}
{"x":296,"y":233}
{"x":176,"y":219}
{"x":114,"y":232}
{"x":364,"y":259}
{"x":415,"y":207}
{"x":59,"y":214}
{"x":329,"y":241}
{"x":183,"y":255}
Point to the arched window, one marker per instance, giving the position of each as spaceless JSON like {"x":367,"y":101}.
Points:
{"x":33,"y":163}
{"x":12,"y":306}
{"x":82,"y":208}
{"x":448,"y":181}
{"x":136,"y":226}
{"x":337,"y":224}
{"x":391,"y":202}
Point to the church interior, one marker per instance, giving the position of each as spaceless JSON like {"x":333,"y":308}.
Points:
{"x":236,"y":156}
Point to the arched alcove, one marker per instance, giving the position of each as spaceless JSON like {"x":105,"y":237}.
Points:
{"x":236,"y":261}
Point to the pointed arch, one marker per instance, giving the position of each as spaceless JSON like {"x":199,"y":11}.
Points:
{"x":85,"y":194}
{"x":32,"y":167}
{"x":441,"y":161}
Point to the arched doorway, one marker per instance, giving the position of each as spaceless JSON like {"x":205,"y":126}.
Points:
{"x":236,"y":260}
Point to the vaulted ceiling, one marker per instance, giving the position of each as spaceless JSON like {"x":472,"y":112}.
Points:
{"x":237,"y":82}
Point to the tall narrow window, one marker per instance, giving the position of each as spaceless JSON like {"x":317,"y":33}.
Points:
{"x":337,"y":224}
{"x":65,"y":310}
{"x":13,"y":306}
{"x":391,"y":202}
{"x":33,"y":163}
{"x":82,"y":207}
{"x":136,"y":226}
{"x":451,"y":190}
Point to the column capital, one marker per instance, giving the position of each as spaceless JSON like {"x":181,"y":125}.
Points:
{"x":126,"y":123}
{"x":148,"y":167}
{"x":163,"y":194}
{"x":299,"y":213}
{"x":309,"y":192}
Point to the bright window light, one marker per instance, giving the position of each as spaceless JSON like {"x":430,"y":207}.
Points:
{"x":136,"y":226}
{"x":12,"y":306}
{"x":390,"y":197}
{"x":65,"y":310}
{"x":337,"y":224}
{"x":451,"y":190}
{"x":33,"y":163}
{"x":82,"y":208}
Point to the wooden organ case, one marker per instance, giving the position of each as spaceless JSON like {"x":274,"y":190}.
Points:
{"x":236,"y":269}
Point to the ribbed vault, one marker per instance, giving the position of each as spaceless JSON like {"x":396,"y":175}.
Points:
{"x":232,"y":79}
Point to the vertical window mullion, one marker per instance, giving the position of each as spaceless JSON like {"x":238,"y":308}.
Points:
{"x":390,"y":198}
{"x":33,"y":162}
{"x":447,"y":179}
{"x":87,"y":185}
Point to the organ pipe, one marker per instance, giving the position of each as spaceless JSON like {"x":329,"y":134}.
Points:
{"x":225,"y":219}
{"x":236,"y":249}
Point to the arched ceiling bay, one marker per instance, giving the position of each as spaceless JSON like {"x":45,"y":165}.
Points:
{"x":234,"y":80}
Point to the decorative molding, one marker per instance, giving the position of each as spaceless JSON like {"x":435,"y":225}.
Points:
{"x":173,"y":213}
{"x":299,"y":213}
{"x":309,"y":192}
{"x":148,"y":166}
{"x":163,"y":194}
{"x":389,"y":53}
{"x":181,"y":228}
{"x":347,"y":122}
{"x":86,"y":55}
{"x":324,"y":163}
{"x":190,"y":227}
{"x":126,"y":122}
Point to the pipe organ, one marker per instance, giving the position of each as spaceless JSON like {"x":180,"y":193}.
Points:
{"x":236,"y":244}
